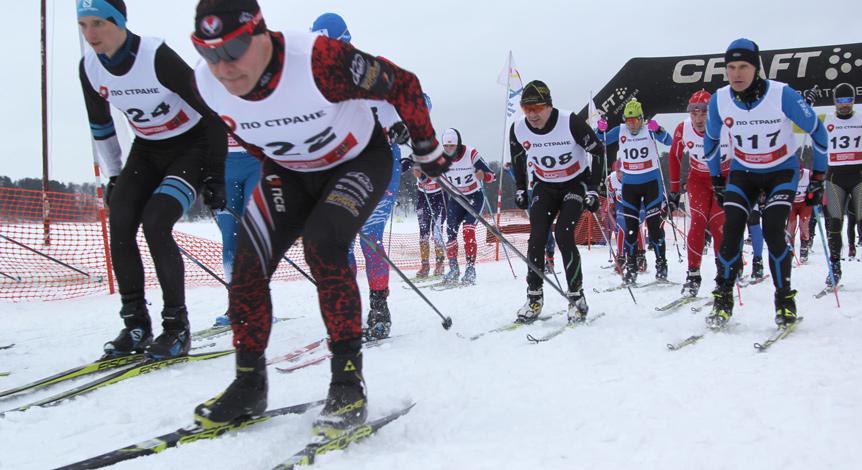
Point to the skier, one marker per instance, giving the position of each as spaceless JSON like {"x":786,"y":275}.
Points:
{"x":467,"y":175}
{"x":641,"y":183}
{"x":760,"y":114}
{"x":377,"y":271}
{"x":801,"y":212}
{"x":242,"y":173}
{"x":175,"y":154}
{"x":555,"y":145}
{"x":615,"y":196}
{"x":705,"y":213}
{"x":844,"y":171}
{"x":326,"y":164}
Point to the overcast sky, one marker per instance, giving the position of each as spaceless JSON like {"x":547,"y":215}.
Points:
{"x":457,"y":48}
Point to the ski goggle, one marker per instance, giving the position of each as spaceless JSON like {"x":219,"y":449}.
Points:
{"x":533,"y":108}
{"x":230,"y":47}
{"x":847,"y":100}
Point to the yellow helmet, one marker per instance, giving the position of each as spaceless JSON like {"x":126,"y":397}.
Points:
{"x":633,"y":109}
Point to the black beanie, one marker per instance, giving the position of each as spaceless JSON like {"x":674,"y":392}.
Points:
{"x":844,"y":90}
{"x":218,"y":18}
{"x":536,"y":92}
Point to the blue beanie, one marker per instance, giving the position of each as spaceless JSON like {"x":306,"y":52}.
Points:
{"x":333,"y":26}
{"x":745,"y":50}
{"x":111,"y":10}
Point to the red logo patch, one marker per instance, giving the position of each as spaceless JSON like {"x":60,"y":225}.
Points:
{"x":728,"y":122}
{"x":830,"y":127}
{"x":527,"y":145}
{"x":103,"y":92}
{"x":623,"y":139}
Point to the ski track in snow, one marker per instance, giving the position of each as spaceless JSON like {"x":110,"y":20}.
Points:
{"x":606,"y":396}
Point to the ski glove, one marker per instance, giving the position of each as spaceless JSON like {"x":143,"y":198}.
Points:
{"x":814,"y":195}
{"x":521,"y":199}
{"x":591,"y":202}
{"x":673,"y":201}
{"x":109,"y":187}
{"x":429,"y":154}
{"x":214,"y":193}
{"x":719,"y":185}
{"x":398,"y":133}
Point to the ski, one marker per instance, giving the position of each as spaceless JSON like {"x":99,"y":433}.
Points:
{"x":317,"y":360}
{"x":657,"y":282}
{"x":292,"y":356}
{"x":185,"y":435}
{"x":563,"y":329}
{"x":143,"y":368}
{"x":105,"y":363}
{"x":321,"y":445}
{"x":779,"y":334}
{"x":826,"y":290}
{"x":679,"y":302}
{"x":515,"y":325}
{"x":214,"y":331}
{"x":8,"y":346}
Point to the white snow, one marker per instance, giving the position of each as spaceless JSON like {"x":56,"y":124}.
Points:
{"x":606,"y":396}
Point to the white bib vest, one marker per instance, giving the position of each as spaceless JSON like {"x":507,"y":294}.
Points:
{"x":845,"y":140}
{"x":553,"y":157}
{"x":295,"y":125}
{"x":154,"y":112}
{"x":763,"y":136}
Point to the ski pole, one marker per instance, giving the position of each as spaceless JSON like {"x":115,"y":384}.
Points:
{"x":239,"y":219}
{"x":505,"y":251}
{"x":447,"y":321}
{"x":48,"y":257}
{"x":616,"y":260}
{"x":457,"y":196}
{"x":826,"y":253}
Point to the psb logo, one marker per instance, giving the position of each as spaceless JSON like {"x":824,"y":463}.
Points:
{"x":103,"y":92}
{"x":527,"y":145}
{"x":728,"y":122}
{"x":690,"y":144}
{"x":211,"y":25}
{"x":623,"y":139}
{"x":841,"y":62}
{"x":830,"y":127}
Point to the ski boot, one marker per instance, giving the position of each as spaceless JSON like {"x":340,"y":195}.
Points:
{"x":757,"y":268}
{"x":531,"y":310}
{"x":470,"y":271}
{"x":175,"y":340}
{"x":631,"y":274}
{"x":692,"y":282}
{"x":440,"y":267}
{"x":346,"y":405}
{"x":803,"y":252}
{"x":785,"y":306}
{"x":578,"y":307}
{"x":379,"y":320}
{"x":454,"y":272}
{"x":836,"y":272}
{"x":424,"y":270}
{"x":641,"y":260}
{"x":661,"y":269}
{"x":722,"y":308}
{"x":620,"y":265}
{"x":244,"y":398}
{"x":137,"y":334}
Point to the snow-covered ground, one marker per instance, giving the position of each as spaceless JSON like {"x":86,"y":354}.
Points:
{"x":606,"y":396}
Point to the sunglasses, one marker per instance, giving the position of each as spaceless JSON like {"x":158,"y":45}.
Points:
{"x":230,"y":47}
{"x":533,"y":108}
{"x":847,"y":100}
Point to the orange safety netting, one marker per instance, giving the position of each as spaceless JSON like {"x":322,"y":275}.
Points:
{"x":70,"y":237}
